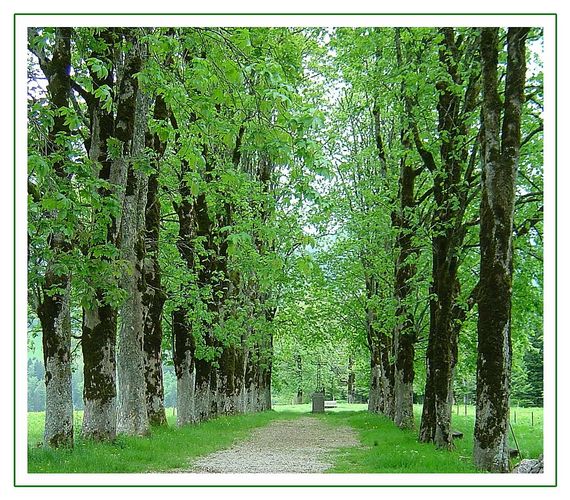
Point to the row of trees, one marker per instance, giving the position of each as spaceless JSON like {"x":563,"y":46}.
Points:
{"x":437,"y":188}
{"x":202,"y":191}
{"x":161,"y":165}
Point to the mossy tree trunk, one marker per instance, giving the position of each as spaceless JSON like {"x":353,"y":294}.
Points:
{"x":54,"y":302}
{"x":404,"y":338}
{"x":404,"y":333}
{"x":130,"y":129}
{"x":154,"y":295}
{"x":99,"y":329}
{"x":381,"y":390}
{"x":452,"y":182}
{"x":500,"y":150}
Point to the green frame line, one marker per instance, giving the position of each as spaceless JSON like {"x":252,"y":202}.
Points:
{"x":286,"y":14}
{"x":376,"y":14}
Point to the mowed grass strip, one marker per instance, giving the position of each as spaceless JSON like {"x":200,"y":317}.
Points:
{"x":166,"y":449}
{"x":387,"y":449}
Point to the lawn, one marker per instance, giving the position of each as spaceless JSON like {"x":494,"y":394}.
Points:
{"x":390,"y":450}
{"x":167,"y":448}
{"x":385,"y":449}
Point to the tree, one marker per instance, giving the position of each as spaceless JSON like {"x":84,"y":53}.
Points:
{"x":130,"y":131}
{"x":154,"y":295}
{"x":405,"y":270}
{"x":54,"y":298}
{"x":500,"y":145}
{"x":269,"y":204}
{"x":110,"y":132}
{"x":453,"y":183}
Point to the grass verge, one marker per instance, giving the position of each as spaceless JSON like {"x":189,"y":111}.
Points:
{"x":387,"y":449}
{"x":166,"y":449}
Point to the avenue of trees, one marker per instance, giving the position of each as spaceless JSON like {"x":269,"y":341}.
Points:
{"x":256,"y":205}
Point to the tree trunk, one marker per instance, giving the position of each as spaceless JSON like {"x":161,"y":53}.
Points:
{"x":204,"y":390}
{"x":451,"y":181}
{"x":404,"y":335}
{"x":99,"y":328}
{"x":375,"y":392}
{"x":250,"y":395}
{"x":500,"y":163}
{"x":299,"y":364}
{"x":55,"y":319}
{"x":99,"y":367}
{"x":206,"y":381}
{"x":226,"y":379}
{"x":405,"y":269}
{"x":154,"y":296}
{"x":446,"y":243}
{"x":266,"y":367}
{"x":53,"y":308}
{"x":440,"y":361}
{"x":130,"y":129}
{"x":350,"y":389}
{"x":381,"y":391}
{"x":184,"y":365}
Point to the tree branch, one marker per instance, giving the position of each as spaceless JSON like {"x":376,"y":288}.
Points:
{"x":537,"y":130}
{"x":39,"y":53}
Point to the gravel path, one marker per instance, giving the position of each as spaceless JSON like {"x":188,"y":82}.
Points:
{"x":295,"y":446}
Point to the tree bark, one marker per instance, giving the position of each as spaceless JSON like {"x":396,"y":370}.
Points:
{"x":299,"y":366}
{"x":99,"y":327}
{"x":265,"y":363}
{"x":53,"y":308}
{"x":405,"y":269}
{"x":450,"y":189}
{"x":500,"y":151}
{"x":404,"y":334}
{"x":184,"y":365}
{"x":99,"y":368}
{"x":206,"y":377}
{"x":154,"y":295}
{"x":130,"y":129}
{"x":55,"y":319}
{"x":350,"y":389}
{"x":381,"y":391}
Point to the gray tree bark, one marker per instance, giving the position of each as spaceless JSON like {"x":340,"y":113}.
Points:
{"x":500,"y":151}
{"x":130,"y":128}
{"x":99,"y":327}
{"x":405,"y":270}
{"x":56,"y":340}
{"x":154,"y":295}
{"x":53,"y":305}
{"x":185,"y":367}
{"x":452,"y":179}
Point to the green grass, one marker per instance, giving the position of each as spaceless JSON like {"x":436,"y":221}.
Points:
{"x":306,"y":408}
{"x":388,"y":449}
{"x":166,"y":449}
{"x":385,"y":448}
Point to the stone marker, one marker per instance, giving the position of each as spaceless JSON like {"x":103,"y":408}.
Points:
{"x":318,"y":399}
